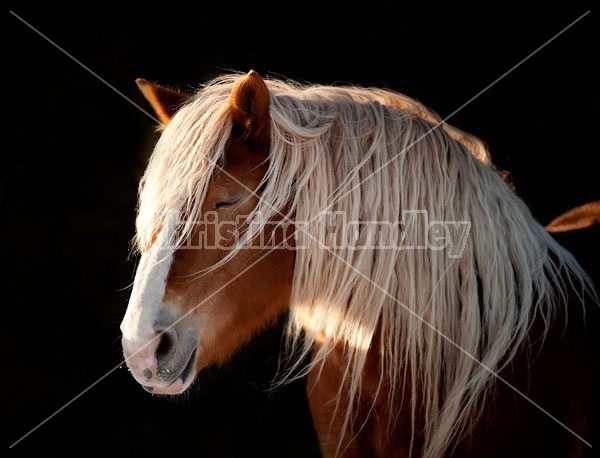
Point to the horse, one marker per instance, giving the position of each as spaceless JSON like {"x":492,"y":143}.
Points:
{"x":425,"y":305}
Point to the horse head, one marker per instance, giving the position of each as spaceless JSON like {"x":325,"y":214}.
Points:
{"x":188,"y":308}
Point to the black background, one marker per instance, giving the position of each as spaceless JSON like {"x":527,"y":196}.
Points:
{"x":77,"y":148}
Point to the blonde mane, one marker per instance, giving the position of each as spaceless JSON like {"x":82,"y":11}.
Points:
{"x":447,"y":324}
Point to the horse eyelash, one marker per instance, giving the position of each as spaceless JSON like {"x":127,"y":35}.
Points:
{"x":228,"y":202}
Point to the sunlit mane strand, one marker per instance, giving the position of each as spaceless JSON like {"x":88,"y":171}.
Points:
{"x":443,"y":322}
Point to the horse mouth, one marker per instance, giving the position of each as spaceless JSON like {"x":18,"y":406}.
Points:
{"x":181,"y":383}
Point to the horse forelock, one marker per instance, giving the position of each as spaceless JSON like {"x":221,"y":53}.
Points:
{"x":372,"y":154}
{"x":183,"y":160}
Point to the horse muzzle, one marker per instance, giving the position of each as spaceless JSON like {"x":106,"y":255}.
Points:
{"x":163,"y":363}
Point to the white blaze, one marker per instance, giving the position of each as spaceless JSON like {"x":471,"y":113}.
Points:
{"x":148,"y":289}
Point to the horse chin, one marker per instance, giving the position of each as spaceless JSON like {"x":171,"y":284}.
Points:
{"x":176,"y":387}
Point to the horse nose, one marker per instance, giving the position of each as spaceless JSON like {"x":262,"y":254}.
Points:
{"x":147,"y":359}
{"x":165,"y":351}
{"x":140,"y":355}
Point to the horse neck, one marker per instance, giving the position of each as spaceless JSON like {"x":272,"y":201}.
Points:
{"x":375,"y":413}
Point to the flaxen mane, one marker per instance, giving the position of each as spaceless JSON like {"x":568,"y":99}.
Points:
{"x":448,"y":322}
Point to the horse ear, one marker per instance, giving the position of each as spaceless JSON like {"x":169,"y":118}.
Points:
{"x":250,"y":108}
{"x":164,"y":100}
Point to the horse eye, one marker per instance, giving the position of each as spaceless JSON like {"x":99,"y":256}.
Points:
{"x":227,"y":202}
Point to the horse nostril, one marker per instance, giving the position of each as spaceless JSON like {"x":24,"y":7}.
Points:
{"x":166,"y":346}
